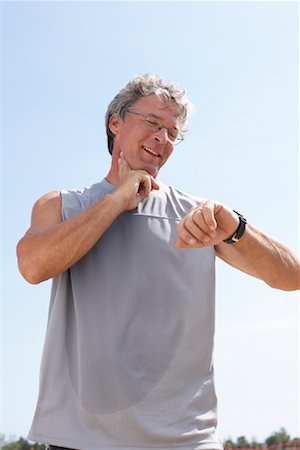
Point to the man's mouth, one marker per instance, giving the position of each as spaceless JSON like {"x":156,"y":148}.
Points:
{"x":149,"y":150}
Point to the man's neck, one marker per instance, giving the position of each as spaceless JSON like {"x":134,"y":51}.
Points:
{"x":112,"y":177}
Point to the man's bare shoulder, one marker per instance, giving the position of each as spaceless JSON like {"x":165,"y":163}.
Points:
{"x":46,"y":211}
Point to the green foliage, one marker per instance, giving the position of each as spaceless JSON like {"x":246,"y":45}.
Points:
{"x":242,"y":442}
{"x":229,"y":443}
{"x":21,"y":444}
{"x":281,"y":437}
{"x":255,"y":444}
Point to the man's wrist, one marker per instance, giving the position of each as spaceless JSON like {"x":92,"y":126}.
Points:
{"x":236,"y":236}
{"x":118,"y":200}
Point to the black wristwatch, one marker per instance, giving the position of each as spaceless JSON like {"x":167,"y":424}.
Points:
{"x":239,"y":231}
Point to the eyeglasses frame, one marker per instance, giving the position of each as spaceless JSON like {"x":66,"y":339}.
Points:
{"x":179,"y":138}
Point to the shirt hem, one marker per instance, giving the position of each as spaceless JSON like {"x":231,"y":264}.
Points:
{"x":50,"y":440}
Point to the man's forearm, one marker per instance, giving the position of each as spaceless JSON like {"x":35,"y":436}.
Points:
{"x":264,"y":257}
{"x":46,"y":253}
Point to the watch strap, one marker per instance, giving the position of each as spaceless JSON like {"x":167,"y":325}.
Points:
{"x":239,"y":231}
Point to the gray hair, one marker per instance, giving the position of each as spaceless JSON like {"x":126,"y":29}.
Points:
{"x":140,"y":87}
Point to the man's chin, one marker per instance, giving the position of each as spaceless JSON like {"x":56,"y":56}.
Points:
{"x":152,"y":169}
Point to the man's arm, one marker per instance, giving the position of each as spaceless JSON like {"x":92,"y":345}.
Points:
{"x":256,"y":253}
{"x":51,"y":246}
{"x":264,"y":257}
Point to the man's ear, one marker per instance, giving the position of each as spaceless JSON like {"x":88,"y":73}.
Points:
{"x":114,"y":123}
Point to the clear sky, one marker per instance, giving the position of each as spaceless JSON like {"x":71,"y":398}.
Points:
{"x":62,"y":63}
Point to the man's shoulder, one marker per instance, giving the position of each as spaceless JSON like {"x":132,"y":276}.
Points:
{"x":74,"y":200}
{"x":95,"y":189}
{"x":85,"y":190}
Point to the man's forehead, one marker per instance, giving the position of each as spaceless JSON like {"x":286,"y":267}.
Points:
{"x":159,"y":107}
{"x":159,"y":103}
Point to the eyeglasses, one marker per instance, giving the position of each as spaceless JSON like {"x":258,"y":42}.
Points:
{"x":151,"y":123}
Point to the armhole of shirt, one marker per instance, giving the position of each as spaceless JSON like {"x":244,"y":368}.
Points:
{"x":68,"y":201}
{"x":63,"y":194}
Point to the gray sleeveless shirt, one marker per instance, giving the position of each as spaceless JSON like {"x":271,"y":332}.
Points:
{"x":127,"y":361}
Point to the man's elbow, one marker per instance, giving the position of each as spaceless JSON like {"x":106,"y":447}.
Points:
{"x":290,"y":282}
{"x":28,"y":272}
{"x":28,"y":269}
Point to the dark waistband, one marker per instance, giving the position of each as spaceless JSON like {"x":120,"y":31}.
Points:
{"x":53,"y":447}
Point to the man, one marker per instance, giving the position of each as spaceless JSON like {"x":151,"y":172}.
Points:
{"x":127,"y":362}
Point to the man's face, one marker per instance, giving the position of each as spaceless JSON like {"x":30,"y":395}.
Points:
{"x":142,"y":148}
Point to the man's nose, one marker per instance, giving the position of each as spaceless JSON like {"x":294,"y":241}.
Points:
{"x":162,"y":135}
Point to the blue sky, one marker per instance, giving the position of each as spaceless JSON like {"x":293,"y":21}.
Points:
{"x":62,"y":63}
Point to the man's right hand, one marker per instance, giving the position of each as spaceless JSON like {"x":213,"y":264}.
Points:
{"x":134,"y":185}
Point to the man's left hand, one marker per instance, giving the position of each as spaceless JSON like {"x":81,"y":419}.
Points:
{"x":206,"y":224}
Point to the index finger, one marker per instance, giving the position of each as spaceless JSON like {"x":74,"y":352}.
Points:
{"x":124,"y":167}
{"x":207,"y":210}
{"x":154,"y":184}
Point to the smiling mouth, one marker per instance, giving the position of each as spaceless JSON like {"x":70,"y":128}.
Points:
{"x":152,"y":152}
